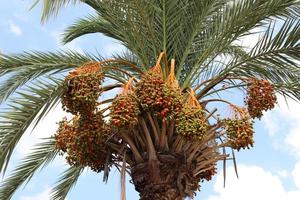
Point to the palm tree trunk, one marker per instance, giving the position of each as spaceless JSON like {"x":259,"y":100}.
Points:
{"x":175,"y":181}
{"x":160,"y":192}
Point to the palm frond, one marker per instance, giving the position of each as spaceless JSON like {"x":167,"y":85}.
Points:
{"x":42,"y":61}
{"x":41,"y":155}
{"x":192,"y":32}
{"x":130,"y":21}
{"x":27,"y":66}
{"x":90,"y":24}
{"x":232,"y":22}
{"x":26,"y":109}
{"x":147,"y":28}
{"x":129,"y":57}
{"x":275,"y":58}
{"x":197,"y":17}
{"x":65,"y":183}
{"x":52,"y":7}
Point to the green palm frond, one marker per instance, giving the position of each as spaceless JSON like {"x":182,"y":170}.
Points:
{"x":90,"y":24}
{"x":29,"y":106}
{"x":213,"y":68}
{"x":192,"y":32}
{"x":40,"y":157}
{"x":42,"y":62}
{"x":27,"y":66}
{"x":234,"y":21}
{"x":128,"y":24}
{"x":65,"y":183}
{"x":147,"y":28}
{"x":52,"y":7}
{"x":275,"y":58}
{"x":151,"y":27}
{"x":128,"y":56}
{"x":235,"y":51}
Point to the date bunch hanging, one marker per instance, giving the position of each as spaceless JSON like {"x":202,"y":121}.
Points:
{"x":125,"y":108}
{"x":84,"y":141}
{"x":164,"y":98}
{"x":260,"y":97}
{"x":82,"y":89}
{"x":191,"y":121}
{"x":239,"y":129}
{"x":84,"y":137}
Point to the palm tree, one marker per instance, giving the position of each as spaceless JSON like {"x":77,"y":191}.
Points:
{"x":164,"y":129}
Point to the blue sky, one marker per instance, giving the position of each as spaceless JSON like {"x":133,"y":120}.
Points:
{"x":271,"y":170}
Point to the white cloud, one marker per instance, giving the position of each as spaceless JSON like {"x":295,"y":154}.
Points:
{"x":283,"y":173}
{"x":293,"y":140}
{"x":44,"y":195}
{"x":284,"y":120}
{"x":15,"y":29}
{"x":254,"y":183}
{"x":296,"y":174}
{"x":289,"y":110}
{"x":271,"y":123}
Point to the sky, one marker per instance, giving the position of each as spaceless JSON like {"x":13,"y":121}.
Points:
{"x":270,"y":170}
